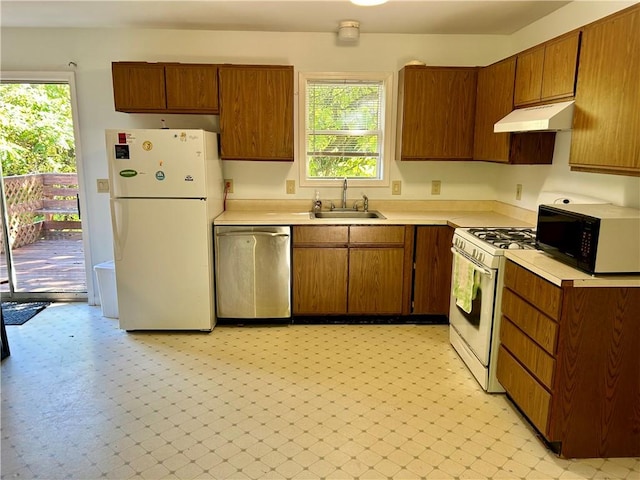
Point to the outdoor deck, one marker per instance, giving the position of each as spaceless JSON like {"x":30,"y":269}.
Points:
{"x":52,"y":265}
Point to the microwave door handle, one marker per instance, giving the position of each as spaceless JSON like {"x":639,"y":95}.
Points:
{"x":477,"y":266}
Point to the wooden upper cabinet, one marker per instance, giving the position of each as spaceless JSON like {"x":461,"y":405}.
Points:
{"x":192,"y":87}
{"x":606,"y":123}
{"x":560,"y":67}
{"x":436,"y":112}
{"x":256,"y":112}
{"x":138,"y":87}
{"x":494,"y":101}
{"x":547,"y":72}
{"x":528,"y":87}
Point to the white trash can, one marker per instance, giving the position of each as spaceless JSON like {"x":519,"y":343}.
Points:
{"x":106,"y":274}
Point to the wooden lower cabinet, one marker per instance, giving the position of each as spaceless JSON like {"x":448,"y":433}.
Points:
{"x":319,"y":280}
{"x":569,"y":360}
{"x":348,"y":269}
{"x":375,"y":280}
{"x":432,"y":270}
{"x":524,"y":389}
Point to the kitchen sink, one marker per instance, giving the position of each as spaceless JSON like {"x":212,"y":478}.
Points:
{"x":346,"y":214}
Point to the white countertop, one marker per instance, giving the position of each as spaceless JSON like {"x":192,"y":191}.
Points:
{"x":450,"y":217}
{"x":557,"y":272}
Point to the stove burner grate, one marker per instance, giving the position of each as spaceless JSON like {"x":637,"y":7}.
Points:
{"x":507,"y":238}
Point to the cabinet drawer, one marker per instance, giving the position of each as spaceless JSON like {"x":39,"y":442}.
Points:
{"x":534,"y":289}
{"x":538,"y":326}
{"x":525,"y":391}
{"x":537,"y":361}
{"x":321,"y":234}
{"x":377,"y":234}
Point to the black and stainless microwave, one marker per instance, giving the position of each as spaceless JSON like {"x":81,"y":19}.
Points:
{"x":595,"y":238}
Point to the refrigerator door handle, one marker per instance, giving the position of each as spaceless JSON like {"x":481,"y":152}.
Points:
{"x":117,"y":248}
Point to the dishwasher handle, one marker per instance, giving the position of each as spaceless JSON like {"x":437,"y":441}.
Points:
{"x":251,"y":234}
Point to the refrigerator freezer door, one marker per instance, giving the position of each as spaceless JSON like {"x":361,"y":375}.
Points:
{"x":163,"y":253}
{"x":158,"y":163}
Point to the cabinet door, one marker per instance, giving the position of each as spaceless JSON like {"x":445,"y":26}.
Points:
{"x":559,"y":72}
{"x":494,"y":101}
{"x":256,"y":112}
{"x":436,"y":111}
{"x":319,"y":281}
{"x":192,"y":88}
{"x":606,"y":122}
{"x":432,"y":276}
{"x":528,"y":88}
{"x":375,"y":280}
{"x":138,"y":87}
{"x":530,"y":396}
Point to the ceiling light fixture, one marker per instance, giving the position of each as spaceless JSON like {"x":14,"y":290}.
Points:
{"x":368,"y":3}
{"x":349,"y":31}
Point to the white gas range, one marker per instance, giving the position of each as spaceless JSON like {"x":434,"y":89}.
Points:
{"x":474,"y":334}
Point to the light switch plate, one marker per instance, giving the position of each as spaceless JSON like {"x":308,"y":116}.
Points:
{"x":435,"y":187}
{"x":518,"y":191}
{"x":291,"y":187}
{"x":396,"y":187}
{"x":103,"y":185}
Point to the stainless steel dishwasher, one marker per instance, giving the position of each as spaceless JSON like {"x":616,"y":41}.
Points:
{"x":253,"y":272}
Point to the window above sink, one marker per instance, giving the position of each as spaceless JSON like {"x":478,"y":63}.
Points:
{"x":345,"y":128}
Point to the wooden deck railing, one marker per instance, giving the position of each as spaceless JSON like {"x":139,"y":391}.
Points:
{"x":40,"y":204}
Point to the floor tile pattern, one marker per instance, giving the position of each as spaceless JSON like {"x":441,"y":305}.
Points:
{"x":82,"y":399}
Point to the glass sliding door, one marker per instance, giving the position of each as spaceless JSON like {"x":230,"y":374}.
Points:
{"x":42,"y":253}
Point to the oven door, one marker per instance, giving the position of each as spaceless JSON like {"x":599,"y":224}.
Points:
{"x":475,"y":327}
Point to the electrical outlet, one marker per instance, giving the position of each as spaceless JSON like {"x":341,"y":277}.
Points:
{"x":435,"y":187}
{"x":396,"y":187}
{"x":519,"y":191}
{"x":291,"y":187}
{"x":228,"y":185}
{"x":103,"y":185}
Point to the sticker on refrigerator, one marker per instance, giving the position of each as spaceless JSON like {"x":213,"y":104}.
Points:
{"x":160,"y":175}
{"x":128,"y":173}
{"x":147,"y":145}
{"x":122,"y":152}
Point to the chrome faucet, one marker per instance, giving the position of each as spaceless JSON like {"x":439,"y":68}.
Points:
{"x":365,"y":203}
{"x":344,"y":193}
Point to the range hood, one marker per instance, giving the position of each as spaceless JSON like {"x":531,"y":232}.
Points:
{"x":542,"y":118}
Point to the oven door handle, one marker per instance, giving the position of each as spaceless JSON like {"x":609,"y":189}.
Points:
{"x":477,"y":266}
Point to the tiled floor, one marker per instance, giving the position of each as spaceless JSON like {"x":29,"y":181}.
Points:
{"x":82,"y":399}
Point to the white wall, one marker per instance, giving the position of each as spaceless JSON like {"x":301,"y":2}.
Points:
{"x":93,"y":50}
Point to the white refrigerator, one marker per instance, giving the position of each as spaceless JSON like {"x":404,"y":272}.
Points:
{"x":166,"y":189}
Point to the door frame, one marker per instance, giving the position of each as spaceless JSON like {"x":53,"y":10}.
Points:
{"x":68,"y":78}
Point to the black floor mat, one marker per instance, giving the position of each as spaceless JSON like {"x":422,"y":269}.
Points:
{"x":16,"y":313}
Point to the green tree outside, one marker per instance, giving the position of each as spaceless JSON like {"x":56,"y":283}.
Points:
{"x":344,"y":129}
{"x":37,"y":129}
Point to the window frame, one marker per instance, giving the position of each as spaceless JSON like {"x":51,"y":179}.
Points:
{"x":387,"y":131}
